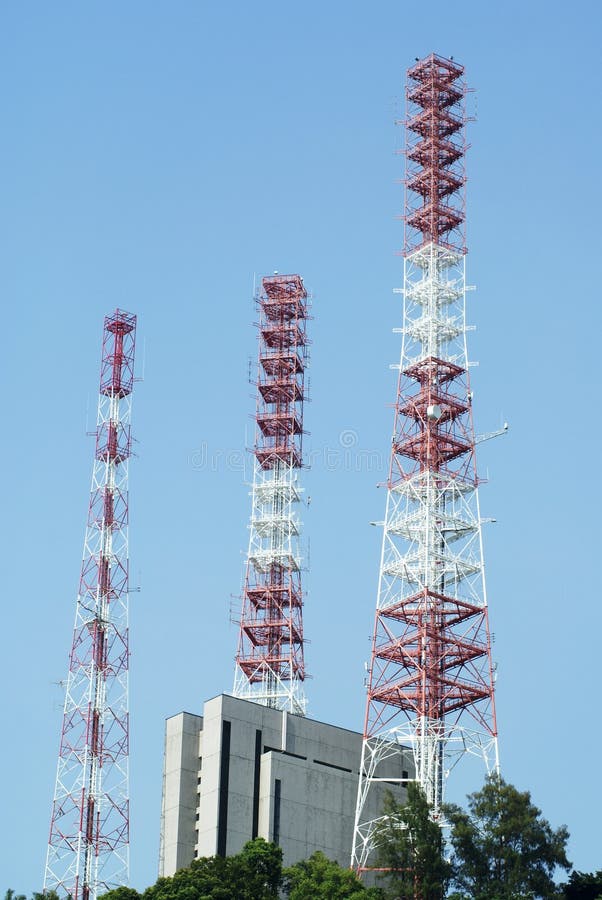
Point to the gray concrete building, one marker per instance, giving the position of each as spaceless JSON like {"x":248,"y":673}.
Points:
{"x":242,"y":770}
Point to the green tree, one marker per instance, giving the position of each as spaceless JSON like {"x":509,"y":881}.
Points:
{"x":259,"y":870}
{"x":253,"y":874}
{"x":319,"y":878}
{"x":583,"y":886}
{"x":410,"y":845}
{"x":503,"y":847}
{"x":37,"y":895}
{"x":120,"y":893}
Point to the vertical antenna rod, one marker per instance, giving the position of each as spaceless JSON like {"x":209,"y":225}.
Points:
{"x":88,"y":849}
{"x":430,"y":683}
{"x":270,"y":667}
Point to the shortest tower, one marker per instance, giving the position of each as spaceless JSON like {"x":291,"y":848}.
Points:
{"x":88,"y":848}
{"x":270,"y":667}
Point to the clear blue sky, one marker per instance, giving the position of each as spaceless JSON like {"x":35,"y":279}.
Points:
{"x":155,"y":156}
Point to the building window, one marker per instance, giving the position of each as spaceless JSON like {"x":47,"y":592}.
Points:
{"x":277,"y":792}
{"x":224,"y":777}
{"x":256,"y":781}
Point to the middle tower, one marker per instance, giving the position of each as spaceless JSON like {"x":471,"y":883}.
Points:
{"x":270,"y":666}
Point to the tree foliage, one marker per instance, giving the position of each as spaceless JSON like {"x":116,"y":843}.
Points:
{"x":253,"y":874}
{"x":583,"y":886}
{"x":503,"y":847}
{"x":123,"y":893}
{"x":319,"y":878}
{"x":37,"y":895}
{"x":410,"y":845}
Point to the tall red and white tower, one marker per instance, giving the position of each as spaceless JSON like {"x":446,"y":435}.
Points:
{"x":430,"y":685}
{"x":270,"y":667}
{"x":88,"y":849}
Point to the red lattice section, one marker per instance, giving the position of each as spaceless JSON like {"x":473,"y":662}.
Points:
{"x":435,"y":155}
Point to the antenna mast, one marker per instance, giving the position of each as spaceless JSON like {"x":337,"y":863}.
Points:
{"x":88,"y":849}
{"x":430,"y":685}
{"x":270,"y":666}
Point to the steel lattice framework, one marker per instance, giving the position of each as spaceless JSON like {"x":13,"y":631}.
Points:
{"x":88,"y":851}
{"x":430,"y":684}
{"x":270,"y":666}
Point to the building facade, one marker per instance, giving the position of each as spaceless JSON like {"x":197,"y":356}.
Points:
{"x":243,"y":770}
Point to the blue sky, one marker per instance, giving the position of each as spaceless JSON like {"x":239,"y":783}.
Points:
{"x":155,"y":156}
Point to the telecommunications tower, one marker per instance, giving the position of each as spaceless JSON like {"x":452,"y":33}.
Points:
{"x":88,"y":849}
{"x":430,"y":683}
{"x":270,"y":667}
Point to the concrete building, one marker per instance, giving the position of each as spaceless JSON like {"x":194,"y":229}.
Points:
{"x":242,"y":770}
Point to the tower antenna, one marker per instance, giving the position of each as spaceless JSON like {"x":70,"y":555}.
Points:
{"x":88,"y":848}
{"x":430,"y":682}
{"x":270,"y":667}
